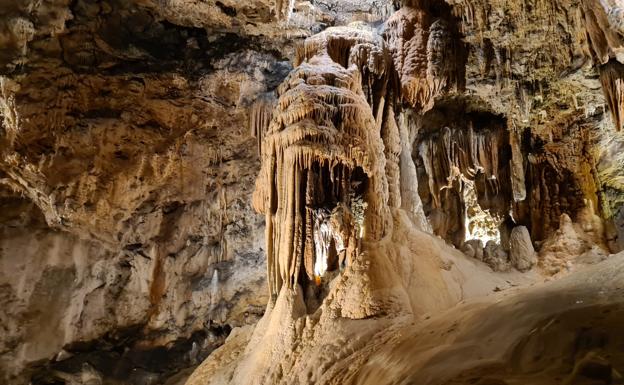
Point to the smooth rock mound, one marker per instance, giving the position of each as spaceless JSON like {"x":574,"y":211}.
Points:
{"x":522,"y":254}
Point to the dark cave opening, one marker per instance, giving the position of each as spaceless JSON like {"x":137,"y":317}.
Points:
{"x":332,"y":225}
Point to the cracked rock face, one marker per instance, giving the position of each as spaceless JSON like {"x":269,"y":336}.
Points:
{"x":169,"y":168}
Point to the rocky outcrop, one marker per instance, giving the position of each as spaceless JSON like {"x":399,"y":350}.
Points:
{"x":131,"y":133}
{"x":521,"y":251}
{"x":495,"y":257}
{"x":125,"y":124}
{"x":533,"y":64}
{"x":427,"y":52}
{"x":572,"y":242}
{"x":68,"y":302}
{"x":317,"y":157}
{"x":141,"y":239}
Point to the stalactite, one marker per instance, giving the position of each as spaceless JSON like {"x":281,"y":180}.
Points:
{"x":427,"y":54}
{"x":457,"y":151}
{"x":334,"y":159}
{"x":606,"y":42}
{"x":321,"y":132}
{"x":392,"y":149}
{"x":260,"y":118}
{"x":612,"y":79}
{"x":517,"y":168}
{"x":283,"y":8}
{"x":615,"y":15}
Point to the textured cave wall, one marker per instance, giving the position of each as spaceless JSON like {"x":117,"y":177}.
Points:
{"x":127,"y":169}
{"x":127,"y":163}
{"x":332,"y":143}
{"x":534,"y":63}
{"x":143,"y":173}
{"x":605,"y":36}
{"x":330,"y":119}
{"x":527,"y":129}
{"x":548,"y":72}
{"x":461,"y":144}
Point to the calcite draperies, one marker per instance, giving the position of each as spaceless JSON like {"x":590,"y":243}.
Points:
{"x":321,"y":147}
{"x":333,"y":156}
{"x":461,"y":152}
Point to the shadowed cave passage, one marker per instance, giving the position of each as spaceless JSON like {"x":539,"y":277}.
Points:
{"x":332,"y":225}
{"x":559,"y":178}
{"x":462,"y":158}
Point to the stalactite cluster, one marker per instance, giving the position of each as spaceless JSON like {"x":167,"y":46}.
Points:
{"x":606,"y":40}
{"x":335,"y":158}
{"x":606,"y":43}
{"x":463,"y":157}
{"x":456,"y":153}
{"x":260,"y":118}
{"x":427,"y":53}
{"x":612,"y":80}
{"x":322,"y":153}
{"x":364,"y":118}
{"x":560,"y":177}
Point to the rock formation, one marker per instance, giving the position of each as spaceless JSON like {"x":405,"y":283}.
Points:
{"x":330,"y":131}
{"x":521,"y":251}
{"x":383,"y":136}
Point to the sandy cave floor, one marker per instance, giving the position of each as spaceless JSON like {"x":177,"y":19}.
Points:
{"x":569,"y":331}
{"x":508,"y":328}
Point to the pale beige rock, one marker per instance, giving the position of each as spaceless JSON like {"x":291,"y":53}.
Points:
{"x":521,"y":252}
{"x":496,"y":257}
{"x":367,"y":304}
{"x":474,"y":249}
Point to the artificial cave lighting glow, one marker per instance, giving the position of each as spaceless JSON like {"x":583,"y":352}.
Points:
{"x":358,"y":209}
{"x":480,"y":224}
{"x":325,"y":237}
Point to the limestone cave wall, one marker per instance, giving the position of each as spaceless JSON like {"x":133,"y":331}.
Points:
{"x":163,"y":162}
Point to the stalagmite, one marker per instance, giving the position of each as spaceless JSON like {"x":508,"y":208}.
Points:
{"x":392,"y":147}
{"x":382,"y":143}
{"x":410,"y":200}
{"x":326,"y":147}
{"x":371,"y":138}
{"x":522,"y":253}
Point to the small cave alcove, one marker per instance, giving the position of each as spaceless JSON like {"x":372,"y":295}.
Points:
{"x":462,"y":157}
{"x":333,"y":225}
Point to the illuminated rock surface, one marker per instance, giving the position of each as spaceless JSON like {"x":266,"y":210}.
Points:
{"x":299,"y":177}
